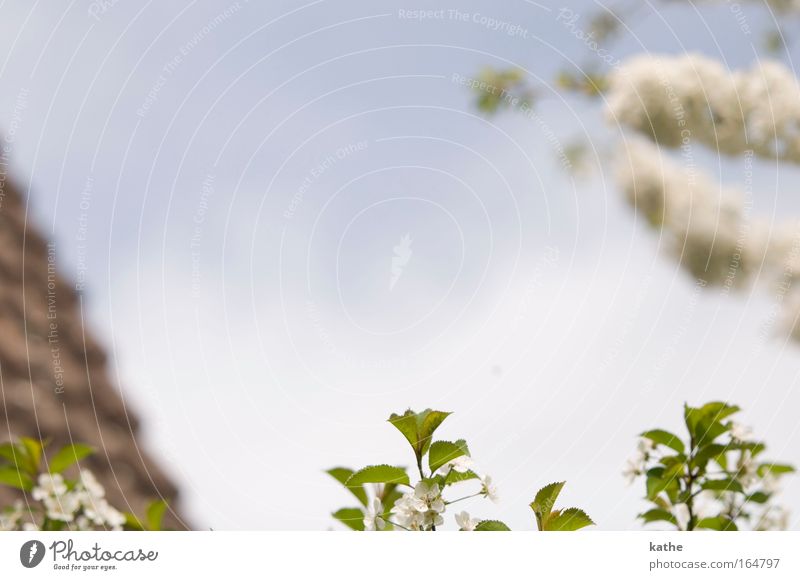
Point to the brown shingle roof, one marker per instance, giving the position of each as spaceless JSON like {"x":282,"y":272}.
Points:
{"x":51,"y":385}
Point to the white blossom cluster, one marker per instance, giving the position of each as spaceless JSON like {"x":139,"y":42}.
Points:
{"x":708,"y":229}
{"x":16,"y":518}
{"x":421,"y":508}
{"x":677,"y":100}
{"x":704,"y":224}
{"x":82,"y":507}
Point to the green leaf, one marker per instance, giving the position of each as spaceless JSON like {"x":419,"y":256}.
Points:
{"x":708,"y":452}
{"x":658,"y":515}
{"x":705,"y":423}
{"x":133,"y":523}
{"x":155,"y":515}
{"x":718,"y":410}
{"x":13,"y":454}
{"x":418,"y":428}
{"x":443,"y":451}
{"x":722,"y":485}
{"x":758,"y":497}
{"x":33,"y":454}
{"x":407,"y":425}
{"x":353,"y":518}
{"x":719,"y":523}
{"x":456,"y":477}
{"x":661,"y":437}
{"x":774,"y":469}
{"x":53,"y":525}
{"x":673,"y":469}
{"x":378,"y":474}
{"x":430,"y":423}
{"x":544,"y":501}
{"x":342,"y":474}
{"x":658,"y":482}
{"x":491,"y":526}
{"x":68,"y":455}
{"x":569,"y":520}
{"x":709,"y":430}
{"x":13,"y":477}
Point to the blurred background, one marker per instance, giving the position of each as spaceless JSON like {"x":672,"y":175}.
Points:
{"x":289,"y":220}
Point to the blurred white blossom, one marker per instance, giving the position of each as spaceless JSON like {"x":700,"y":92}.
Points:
{"x":681,"y":513}
{"x":634,"y":466}
{"x":774,"y":518}
{"x":49,"y":485}
{"x":678,"y":100}
{"x":84,"y":506}
{"x":741,"y":432}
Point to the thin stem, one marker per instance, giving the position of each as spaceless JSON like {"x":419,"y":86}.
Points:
{"x":689,"y":486}
{"x":398,"y":525}
{"x":463,"y":498}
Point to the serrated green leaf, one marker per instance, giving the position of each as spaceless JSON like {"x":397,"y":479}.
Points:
{"x":661,"y":437}
{"x":68,"y":455}
{"x":456,"y":477}
{"x":13,"y":477}
{"x":569,"y":520}
{"x":418,"y":428}
{"x":378,"y":474}
{"x":719,"y":523}
{"x":443,"y":451}
{"x":342,"y":474}
{"x":353,"y":518}
{"x":544,"y":501}
{"x":407,"y":425}
{"x":155,"y":515}
{"x":430,"y":423}
{"x":658,"y":515}
{"x":491,"y":526}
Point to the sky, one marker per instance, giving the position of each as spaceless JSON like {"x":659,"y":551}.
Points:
{"x":231,"y":182}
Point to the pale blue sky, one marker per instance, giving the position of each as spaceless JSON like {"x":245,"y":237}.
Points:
{"x":275,"y":347}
